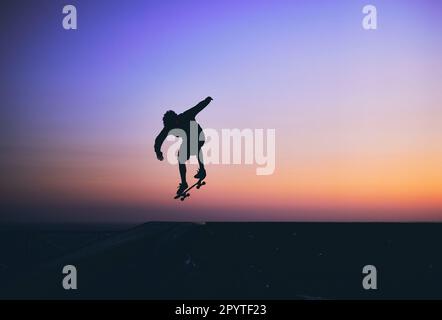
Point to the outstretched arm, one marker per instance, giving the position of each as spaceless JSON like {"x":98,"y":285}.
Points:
{"x":159,"y":142}
{"x":192,"y":112}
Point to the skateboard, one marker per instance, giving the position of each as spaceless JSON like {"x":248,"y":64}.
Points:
{"x":185,"y":194}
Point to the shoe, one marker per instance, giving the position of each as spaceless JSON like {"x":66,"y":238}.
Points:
{"x":181,"y":188}
{"x":201,"y":174}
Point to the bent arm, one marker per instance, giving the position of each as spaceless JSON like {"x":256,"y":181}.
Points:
{"x":160,"y":139}
{"x":192,"y":112}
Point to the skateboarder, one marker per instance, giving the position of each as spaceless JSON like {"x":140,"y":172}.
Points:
{"x":184,"y":121}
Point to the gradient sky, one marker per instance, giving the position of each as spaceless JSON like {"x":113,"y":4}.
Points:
{"x":358,"y":114}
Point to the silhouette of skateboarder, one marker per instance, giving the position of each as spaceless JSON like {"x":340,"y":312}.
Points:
{"x":184,"y":121}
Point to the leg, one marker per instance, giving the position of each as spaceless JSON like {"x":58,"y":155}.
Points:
{"x":201,"y":174}
{"x":182,"y":167}
{"x":182,"y":162}
{"x":201,"y":160}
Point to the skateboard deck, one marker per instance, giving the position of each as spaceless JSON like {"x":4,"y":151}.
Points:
{"x":185,"y":194}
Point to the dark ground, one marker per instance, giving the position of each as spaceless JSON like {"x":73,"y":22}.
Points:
{"x":223,"y":260}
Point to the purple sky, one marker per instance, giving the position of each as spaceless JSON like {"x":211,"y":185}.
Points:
{"x":357,"y":113}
